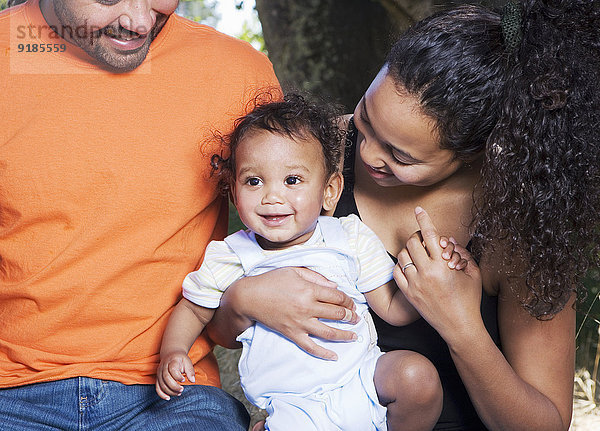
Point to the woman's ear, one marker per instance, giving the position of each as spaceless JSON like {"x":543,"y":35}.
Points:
{"x":332,"y":192}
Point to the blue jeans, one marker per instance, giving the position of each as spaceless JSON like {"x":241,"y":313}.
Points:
{"x":84,"y":403}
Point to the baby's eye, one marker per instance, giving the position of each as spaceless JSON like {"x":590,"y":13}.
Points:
{"x":253,"y":181}
{"x":290,"y":181}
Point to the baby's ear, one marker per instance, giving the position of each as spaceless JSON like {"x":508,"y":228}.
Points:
{"x":332,"y":192}
{"x":231,"y":192}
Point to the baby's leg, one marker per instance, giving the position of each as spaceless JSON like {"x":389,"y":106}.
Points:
{"x":408,"y":384}
{"x":296,"y":413}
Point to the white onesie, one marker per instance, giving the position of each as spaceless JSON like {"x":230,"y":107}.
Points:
{"x":300,"y":391}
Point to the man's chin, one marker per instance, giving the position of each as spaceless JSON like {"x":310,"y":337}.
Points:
{"x":120,"y":62}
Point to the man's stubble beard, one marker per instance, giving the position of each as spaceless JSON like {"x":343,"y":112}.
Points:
{"x":91,"y":42}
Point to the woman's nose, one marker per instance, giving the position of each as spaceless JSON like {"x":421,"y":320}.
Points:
{"x":371,"y":152}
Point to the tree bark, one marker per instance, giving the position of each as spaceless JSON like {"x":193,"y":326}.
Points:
{"x":328,"y":47}
{"x":334,"y":48}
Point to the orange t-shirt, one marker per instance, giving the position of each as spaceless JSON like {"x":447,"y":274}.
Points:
{"x":106,"y":194}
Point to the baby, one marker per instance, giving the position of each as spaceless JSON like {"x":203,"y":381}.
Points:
{"x":282,"y":173}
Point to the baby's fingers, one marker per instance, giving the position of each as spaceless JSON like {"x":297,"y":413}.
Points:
{"x":189,"y":371}
{"x":160,"y":391}
{"x":471,"y":268}
{"x":455,"y":260}
{"x":448,"y":250}
{"x":166,"y":386}
{"x":462,"y":264}
{"x":464,"y":253}
{"x":168,"y":378}
{"x":176,"y":370}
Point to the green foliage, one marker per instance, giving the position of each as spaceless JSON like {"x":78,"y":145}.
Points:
{"x":199,"y":10}
{"x":588,"y":322}
{"x":9,"y":3}
{"x":255,"y":38}
{"x":204,"y":11}
{"x":235,"y":223}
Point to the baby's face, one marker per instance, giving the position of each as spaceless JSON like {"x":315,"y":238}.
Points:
{"x":279,"y":188}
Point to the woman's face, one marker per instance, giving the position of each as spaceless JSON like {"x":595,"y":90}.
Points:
{"x":397,"y":143}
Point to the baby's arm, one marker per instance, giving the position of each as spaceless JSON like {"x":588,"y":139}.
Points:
{"x":185,"y":325}
{"x":391,"y":305}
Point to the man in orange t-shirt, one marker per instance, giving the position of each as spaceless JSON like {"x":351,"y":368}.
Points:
{"x":109,"y":115}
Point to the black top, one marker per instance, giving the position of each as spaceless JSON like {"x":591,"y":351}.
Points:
{"x":458,"y":412}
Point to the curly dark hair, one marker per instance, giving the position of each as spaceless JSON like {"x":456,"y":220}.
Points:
{"x":295,"y":117}
{"x":533,"y":114}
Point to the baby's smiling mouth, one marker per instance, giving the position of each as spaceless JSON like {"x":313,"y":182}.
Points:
{"x":274,"y":218}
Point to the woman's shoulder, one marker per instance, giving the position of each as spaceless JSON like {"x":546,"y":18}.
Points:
{"x":344,"y":121}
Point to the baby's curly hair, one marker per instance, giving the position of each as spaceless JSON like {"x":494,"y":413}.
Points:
{"x":533,"y":112}
{"x":295,"y":117}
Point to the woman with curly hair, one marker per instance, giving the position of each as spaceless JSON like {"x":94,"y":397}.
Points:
{"x":489,"y":122}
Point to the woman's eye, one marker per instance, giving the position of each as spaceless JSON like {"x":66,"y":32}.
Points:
{"x":253,"y":182}
{"x":401,"y":162}
{"x":398,"y":159}
{"x":290,"y":181}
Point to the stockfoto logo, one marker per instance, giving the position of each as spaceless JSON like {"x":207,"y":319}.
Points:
{"x":70,"y":32}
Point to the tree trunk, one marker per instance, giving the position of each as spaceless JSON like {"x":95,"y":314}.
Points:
{"x":327,"y":47}
{"x":334,"y":48}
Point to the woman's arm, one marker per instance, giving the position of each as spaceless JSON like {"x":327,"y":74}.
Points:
{"x":532,"y":376}
{"x":290,"y":301}
{"x":529,"y":385}
{"x":390,"y":303}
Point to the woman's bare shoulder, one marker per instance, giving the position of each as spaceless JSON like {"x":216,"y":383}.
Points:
{"x":343,"y":121}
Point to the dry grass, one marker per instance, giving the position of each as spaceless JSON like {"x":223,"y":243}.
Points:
{"x":230,"y":380}
{"x":586,"y":413}
{"x":585,"y":419}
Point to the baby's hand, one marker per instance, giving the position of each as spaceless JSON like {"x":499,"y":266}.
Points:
{"x":452,"y":256}
{"x":171,"y":372}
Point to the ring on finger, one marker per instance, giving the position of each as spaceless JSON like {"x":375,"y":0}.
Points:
{"x":406,"y":266}
{"x":347,"y":315}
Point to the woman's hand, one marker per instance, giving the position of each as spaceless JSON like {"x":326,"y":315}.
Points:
{"x":527,"y":386}
{"x":290,"y":301}
{"x":447,"y":298}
